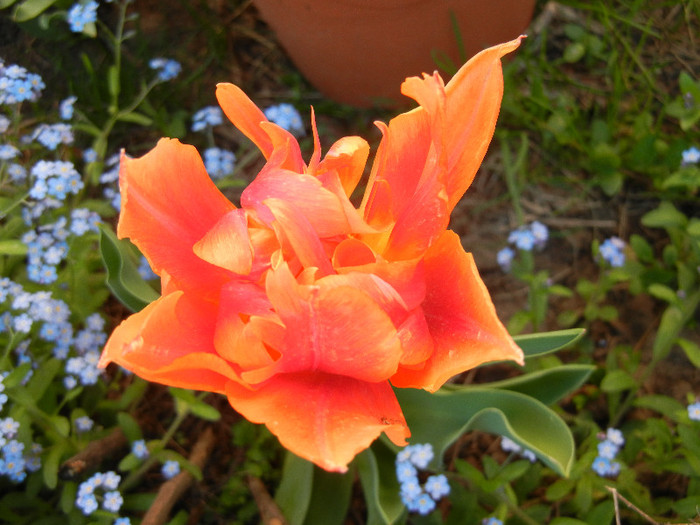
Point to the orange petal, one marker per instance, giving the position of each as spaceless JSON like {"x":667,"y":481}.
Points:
{"x":473,"y":102}
{"x":168,"y":204}
{"x":461,"y":318}
{"x":324,"y":418}
{"x":228,"y":244}
{"x":347,"y":157}
{"x":321,"y":208}
{"x":268,"y":137}
{"x":171,"y":342}
{"x":292,"y":226}
{"x":333,"y":328}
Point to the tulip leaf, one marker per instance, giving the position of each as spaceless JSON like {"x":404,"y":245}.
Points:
{"x":330,"y":498}
{"x":548,"y":386}
{"x":294,"y":493}
{"x":123,"y":278}
{"x":377,"y":476}
{"x":535,"y":345}
{"x":442,"y":417}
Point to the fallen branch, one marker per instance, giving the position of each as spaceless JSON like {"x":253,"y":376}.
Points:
{"x":270,"y":513}
{"x":172,"y":490}
{"x":91,"y":456}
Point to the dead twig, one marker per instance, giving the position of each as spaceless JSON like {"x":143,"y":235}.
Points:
{"x":91,"y":456}
{"x":172,"y":490}
{"x":270,"y":513}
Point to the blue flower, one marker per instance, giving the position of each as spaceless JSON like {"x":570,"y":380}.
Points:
{"x":287,"y":117}
{"x":437,"y":486}
{"x":170,"y":469}
{"x":491,"y":521}
{"x":166,"y":68}
{"x":607,"y":449}
{"x":691,"y":156}
{"x":615,"y":436}
{"x":81,"y":14}
{"x":139,"y":449}
{"x":406,"y":471}
{"x":219,"y":162}
{"x":87,"y":503}
{"x":505,"y":258}
{"x":208,"y":116}
{"x":122,"y":521}
{"x":601,"y":466}
{"x":8,"y":151}
{"x":83,"y":424}
{"x":65,"y":108}
{"x":694,"y":411}
{"x":522,"y":238}
{"x":4,"y":122}
{"x":112,"y":501}
{"x":612,"y":251}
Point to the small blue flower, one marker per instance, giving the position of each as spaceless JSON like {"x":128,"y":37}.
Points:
{"x":8,"y":151}
{"x":287,"y":117}
{"x":601,"y":466}
{"x":540,"y":232}
{"x":694,"y":411}
{"x":691,"y":156}
{"x":491,"y":521}
{"x":4,"y":123}
{"x":112,"y":501}
{"x":607,"y":449}
{"x":89,"y":155}
{"x":612,"y":251}
{"x":139,"y":449}
{"x":406,"y":471}
{"x":505,"y":258}
{"x":65,"y":108}
{"x":81,"y":14}
{"x":615,"y":436}
{"x":437,"y":486}
{"x":87,"y":503}
{"x":522,"y":238}
{"x":421,"y":455}
{"x":83,"y":424}
{"x":170,"y":469}
{"x":166,"y":68}
{"x":122,"y":521}
{"x":208,"y":116}
{"x":219,"y":162}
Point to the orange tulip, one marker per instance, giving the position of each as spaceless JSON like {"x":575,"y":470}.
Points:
{"x":300,"y":308}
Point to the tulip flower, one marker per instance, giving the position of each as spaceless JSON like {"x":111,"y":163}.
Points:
{"x":304,"y":310}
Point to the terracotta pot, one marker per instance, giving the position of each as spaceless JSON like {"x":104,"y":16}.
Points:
{"x":359,"y":51}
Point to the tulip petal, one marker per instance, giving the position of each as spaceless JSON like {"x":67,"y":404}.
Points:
{"x":228,"y":244}
{"x":333,"y":328}
{"x":169,"y":202}
{"x":252,"y":122}
{"x":171,"y":342}
{"x":461,"y":318}
{"x":324,"y":418}
{"x":347,"y":157}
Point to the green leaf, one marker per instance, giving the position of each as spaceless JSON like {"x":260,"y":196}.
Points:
{"x":294,"y":493}
{"x":672,"y":322}
{"x":129,"y":426}
{"x":6,"y":3}
{"x":534,"y":345}
{"x":136,"y":118}
{"x":12,"y":247}
{"x":665,"y":216}
{"x":664,"y":405}
{"x":617,"y":381}
{"x":330,"y":498}
{"x":50,"y":463}
{"x":31,"y":9}
{"x":663,"y":292}
{"x":377,"y":476}
{"x":692,"y":351}
{"x":123,"y":278}
{"x":442,"y":417}
{"x":548,"y":386}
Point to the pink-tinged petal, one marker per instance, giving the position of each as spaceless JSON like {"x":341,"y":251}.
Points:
{"x":356,"y":224}
{"x":416,"y":340}
{"x":292,"y":228}
{"x":332,"y":328}
{"x":461,"y":318}
{"x":227,"y":244}
{"x":429,"y":156}
{"x":322,"y":209}
{"x":347,"y":157}
{"x":171,"y":342}
{"x":268,"y":137}
{"x":169,"y":202}
{"x":324,"y":418}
